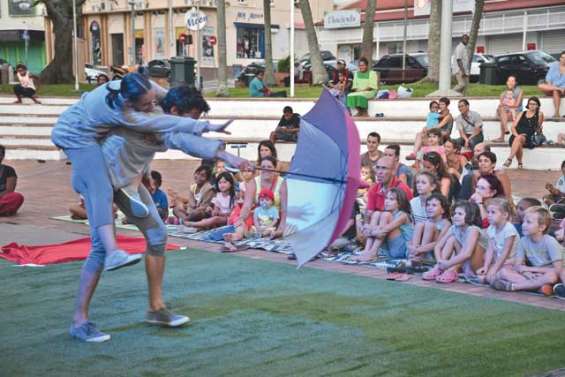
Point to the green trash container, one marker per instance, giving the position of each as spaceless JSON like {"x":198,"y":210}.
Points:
{"x":182,"y":71}
{"x":488,"y":74}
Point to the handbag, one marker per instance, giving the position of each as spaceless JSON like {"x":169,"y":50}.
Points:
{"x":539,"y":139}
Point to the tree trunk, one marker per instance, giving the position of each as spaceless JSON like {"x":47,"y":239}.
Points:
{"x":434,"y":37}
{"x":60,"y":69}
{"x":319,"y":74}
{"x":222,"y":90}
{"x":269,"y":75}
{"x":475,"y":25}
{"x":368,"y":31}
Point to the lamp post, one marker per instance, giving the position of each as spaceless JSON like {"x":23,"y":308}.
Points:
{"x":75,"y":45}
{"x":132,"y":48}
{"x":291,"y":2}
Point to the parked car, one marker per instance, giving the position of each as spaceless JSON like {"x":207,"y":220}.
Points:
{"x":529,"y":67}
{"x":327,"y":57}
{"x":249,"y":72}
{"x":389,"y":68}
{"x":305,"y":75}
{"x":91,"y":73}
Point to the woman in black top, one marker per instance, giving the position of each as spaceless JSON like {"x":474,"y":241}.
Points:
{"x":525,"y":127}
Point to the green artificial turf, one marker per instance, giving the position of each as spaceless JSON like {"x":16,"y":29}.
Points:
{"x":259,"y":318}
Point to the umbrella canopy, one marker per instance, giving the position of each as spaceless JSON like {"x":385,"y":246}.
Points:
{"x":323,"y":178}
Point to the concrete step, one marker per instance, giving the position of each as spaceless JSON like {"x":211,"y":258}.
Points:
{"x":245,"y":107}
{"x":258,"y":129}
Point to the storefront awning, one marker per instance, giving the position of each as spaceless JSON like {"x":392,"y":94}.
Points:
{"x":253,"y":26}
{"x":18,"y":35}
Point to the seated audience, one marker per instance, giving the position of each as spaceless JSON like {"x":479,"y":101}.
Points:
{"x":391,"y":228}
{"x":153,"y":184}
{"x":26,"y":87}
{"x":373,"y":153}
{"x":462,"y":247}
{"x":554,"y":84}
{"x":367,"y":177}
{"x":10,"y":200}
{"x":242,"y":216}
{"x":78,"y":210}
{"x":341,"y":81}
{"x":521,"y":207}
{"x":539,"y":257}
{"x":266,"y":214}
{"x":557,"y":191}
{"x":445,"y":118}
{"x":486,"y":165}
{"x":470,"y":126}
{"x":257,"y":87}
{"x":427,"y":233}
{"x":432,"y":121}
{"x":502,"y":240}
{"x":488,"y":187}
{"x":527,"y":125}
{"x":364,"y":88}
{"x":402,"y":172}
{"x":266,"y":148}
{"x":510,"y":104}
{"x":432,"y":144}
{"x":433,"y":163}
{"x":288,"y":127}
{"x":102,"y":79}
{"x":425,"y":185}
{"x":194,"y":207}
{"x":221,"y":204}
{"x":455,"y":160}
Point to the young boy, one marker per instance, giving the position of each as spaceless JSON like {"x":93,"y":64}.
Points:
{"x":266,"y":215}
{"x":10,"y":200}
{"x":542,"y":253}
{"x":521,"y":208}
{"x":158,"y":196}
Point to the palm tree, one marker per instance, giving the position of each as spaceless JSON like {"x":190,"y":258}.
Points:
{"x":269,"y":75}
{"x":368,"y":29}
{"x":60,"y":69}
{"x":318,"y":71}
{"x":222,"y":90}
{"x":434,"y":41}
{"x":475,"y":25}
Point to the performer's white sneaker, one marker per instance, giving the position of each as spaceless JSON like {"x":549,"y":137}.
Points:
{"x":138,"y":208}
{"x":119,"y":259}
{"x":164,"y":317}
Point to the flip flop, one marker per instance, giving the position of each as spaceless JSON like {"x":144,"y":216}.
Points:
{"x":448,"y":277}
{"x":431,"y":274}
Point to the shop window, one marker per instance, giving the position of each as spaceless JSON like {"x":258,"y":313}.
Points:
{"x":250,"y":43}
{"x":95,"y":43}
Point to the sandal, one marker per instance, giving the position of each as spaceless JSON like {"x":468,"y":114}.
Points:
{"x":498,"y":140}
{"x":507,"y":163}
{"x":431,"y":274}
{"x":448,"y":277}
{"x":520,"y":165}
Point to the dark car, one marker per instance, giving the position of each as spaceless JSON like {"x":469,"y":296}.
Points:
{"x":249,"y":72}
{"x":389,"y":68}
{"x":529,"y":67}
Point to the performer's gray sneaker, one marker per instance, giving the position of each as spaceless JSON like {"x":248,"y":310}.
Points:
{"x":138,"y":208}
{"x":87,"y":332}
{"x":164,"y":317}
{"x":119,"y":259}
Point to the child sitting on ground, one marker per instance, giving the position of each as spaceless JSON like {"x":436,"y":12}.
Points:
{"x":425,"y":185}
{"x":393,"y":227}
{"x":221,"y":205}
{"x":78,"y":210}
{"x":266,"y":215}
{"x":368,"y":177}
{"x":426,"y":234}
{"x":193,"y":207}
{"x":502,"y":240}
{"x":153,"y":183}
{"x":557,"y":191}
{"x":462,"y":246}
{"x":432,"y":119}
{"x":542,"y":253}
{"x":521,"y":208}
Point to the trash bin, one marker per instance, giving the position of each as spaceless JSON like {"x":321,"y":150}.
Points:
{"x":488,"y":74}
{"x":182,"y":71}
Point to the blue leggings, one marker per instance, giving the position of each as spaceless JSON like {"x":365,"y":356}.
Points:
{"x":90,"y":179}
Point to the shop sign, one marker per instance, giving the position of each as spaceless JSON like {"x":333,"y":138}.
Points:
{"x":249,"y":16}
{"x":195,"y":19}
{"x":342,"y":19}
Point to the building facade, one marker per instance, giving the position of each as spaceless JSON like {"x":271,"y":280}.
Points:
{"x":160,"y":32}
{"x":22,"y":37}
{"x":506,"y":26}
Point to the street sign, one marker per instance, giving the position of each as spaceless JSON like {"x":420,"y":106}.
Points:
{"x":195,"y":19}
{"x":213,"y":40}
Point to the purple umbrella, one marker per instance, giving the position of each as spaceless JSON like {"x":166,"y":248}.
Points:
{"x":323,"y":178}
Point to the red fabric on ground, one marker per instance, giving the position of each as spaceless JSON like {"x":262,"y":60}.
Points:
{"x":68,"y":251}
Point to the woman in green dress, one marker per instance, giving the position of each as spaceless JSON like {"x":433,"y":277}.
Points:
{"x":365,"y":85}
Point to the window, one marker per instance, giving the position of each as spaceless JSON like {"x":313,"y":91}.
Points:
{"x":395,"y":62}
{"x":384,"y":62}
{"x":250,"y":43}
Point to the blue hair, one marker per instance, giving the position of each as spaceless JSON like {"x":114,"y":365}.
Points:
{"x":184,"y":98}
{"x":132,"y":87}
